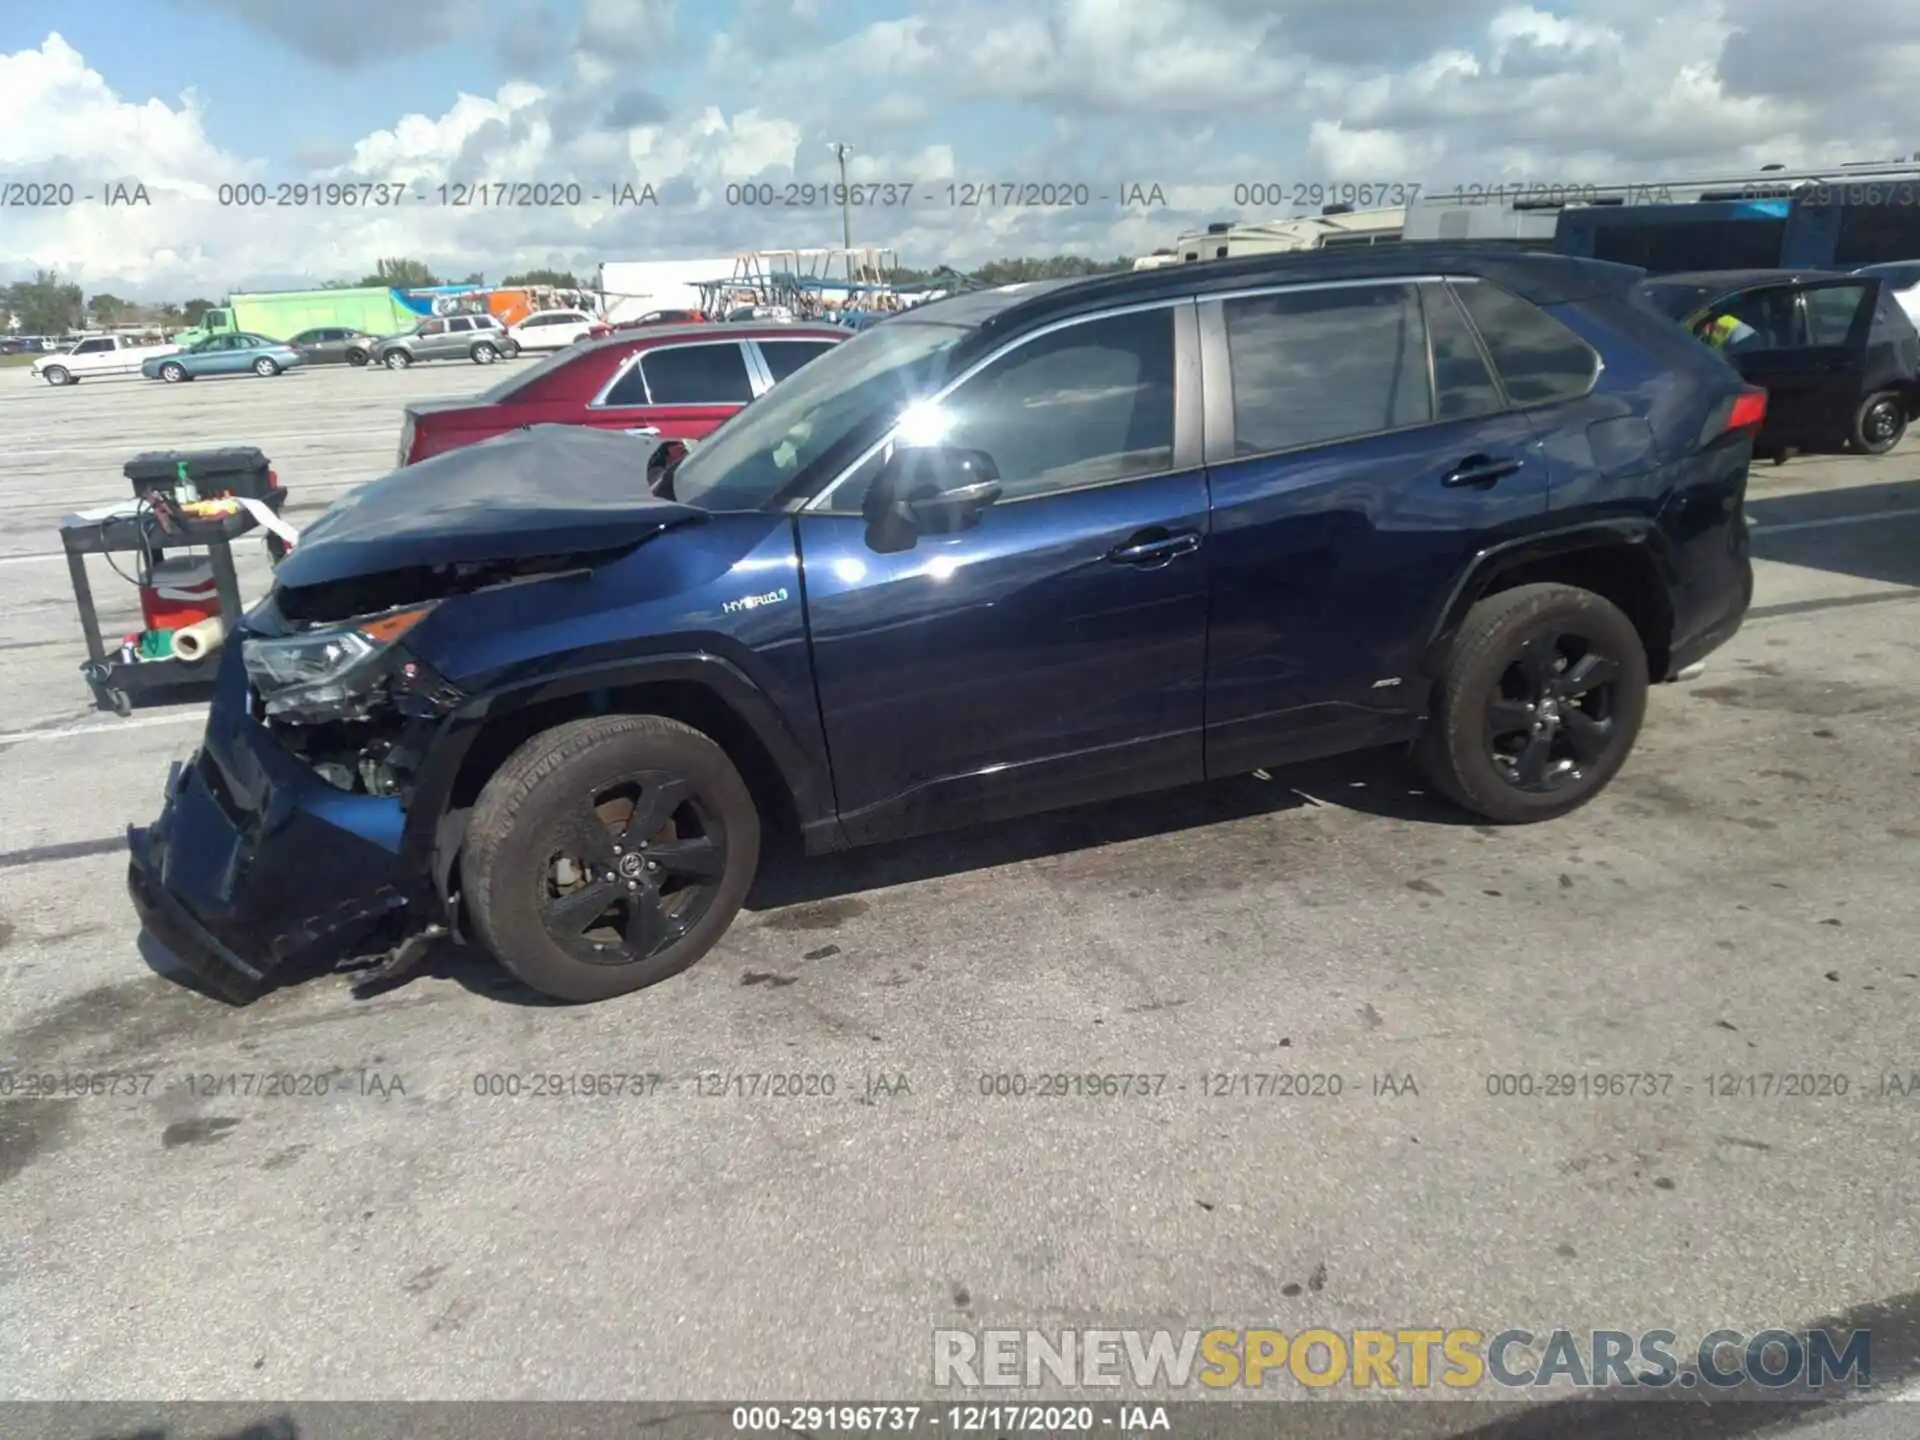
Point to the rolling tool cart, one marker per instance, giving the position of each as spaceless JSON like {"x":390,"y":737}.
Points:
{"x":184,"y":500}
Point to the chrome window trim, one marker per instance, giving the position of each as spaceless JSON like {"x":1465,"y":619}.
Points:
{"x":822,"y":502}
{"x":1479,"y":348}
{"x":759,"y":374}
{"x":635,"y":357}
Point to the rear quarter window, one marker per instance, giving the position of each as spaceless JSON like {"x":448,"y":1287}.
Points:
{"x":1540,"y":360}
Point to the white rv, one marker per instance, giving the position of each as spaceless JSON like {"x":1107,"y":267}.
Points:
{"x":632,"y":288}
{"x":1308,"y":232}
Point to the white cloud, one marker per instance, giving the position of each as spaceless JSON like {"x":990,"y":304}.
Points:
{"x":421,"y":147}
{"x":1193,"y":95}
{"x":1360,"y":154}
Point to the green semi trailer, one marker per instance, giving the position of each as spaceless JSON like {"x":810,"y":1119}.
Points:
{"x":282,"y":314}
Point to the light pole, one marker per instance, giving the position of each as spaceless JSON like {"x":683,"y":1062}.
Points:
{"x":841,"y":150}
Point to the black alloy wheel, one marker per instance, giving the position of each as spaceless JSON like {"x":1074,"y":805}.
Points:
{"x":631,"y":868}
{"x":1538,"y":698}
{"x":607,"y":854}
{"x":1552,"y":717}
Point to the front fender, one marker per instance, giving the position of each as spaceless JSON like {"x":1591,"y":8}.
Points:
{"x":433,"y":831}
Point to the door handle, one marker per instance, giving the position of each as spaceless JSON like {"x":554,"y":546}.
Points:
{"x":1479,"y":472}
{"x":1151,"y":549}
{"x":644,"y":430}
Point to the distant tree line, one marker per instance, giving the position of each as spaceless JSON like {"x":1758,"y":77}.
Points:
{"x":47,"y":305}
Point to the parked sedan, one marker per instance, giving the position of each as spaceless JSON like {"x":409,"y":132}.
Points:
{"x":600,"y":329}
{"x":1838,"y":357}
{"x":670,"y":383}
{"x":333,"y":345}
{"x":230,"y":354}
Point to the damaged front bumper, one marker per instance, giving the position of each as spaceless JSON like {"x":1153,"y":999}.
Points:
{"x":258,"y":871}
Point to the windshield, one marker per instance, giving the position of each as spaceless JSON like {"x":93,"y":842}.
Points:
{"x":750,"y":460}
{"x":1676,"y":301}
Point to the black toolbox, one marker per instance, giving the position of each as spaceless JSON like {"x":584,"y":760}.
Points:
{"x":241,"y":470}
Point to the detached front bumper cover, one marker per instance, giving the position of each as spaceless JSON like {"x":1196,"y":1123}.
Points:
{"x":312,"y":899}
{"x":217,"y":968}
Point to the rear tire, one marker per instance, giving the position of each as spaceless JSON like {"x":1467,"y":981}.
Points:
{"x":1879,"y":423}
{"x":356,"y":358}
{"x":1540,"y":698}
{"x":485,"y":353}
{"x":551,"y":818}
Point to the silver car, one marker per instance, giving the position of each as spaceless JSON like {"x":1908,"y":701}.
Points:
{"x":333,"y":345}
{"x":479,"y":338}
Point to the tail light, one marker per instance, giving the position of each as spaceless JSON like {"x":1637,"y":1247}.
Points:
{"x":1746,"y":410}
{"x":273,"y":479}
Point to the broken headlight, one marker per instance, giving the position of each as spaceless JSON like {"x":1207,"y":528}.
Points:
{"x":330,"y":673}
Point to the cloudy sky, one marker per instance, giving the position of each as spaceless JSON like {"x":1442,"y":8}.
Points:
{"x":1194,"y":96}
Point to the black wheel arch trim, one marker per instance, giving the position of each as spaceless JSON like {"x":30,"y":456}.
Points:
{"x":434,"y":833}
{"x":1633,"y":533}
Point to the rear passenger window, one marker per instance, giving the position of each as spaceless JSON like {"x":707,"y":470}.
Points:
{"x":1539,"y":359}
{"x":1830,"y":312}
{"x":698,"y":375}
{"x":629,"y":389}
{"x":1312,"y":366}
{"x":1462,"y":385}
{"x":783,"y":357}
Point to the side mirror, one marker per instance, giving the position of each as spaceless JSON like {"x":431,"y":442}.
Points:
{"x":929,"y":490}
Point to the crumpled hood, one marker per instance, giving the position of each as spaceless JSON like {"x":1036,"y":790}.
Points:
{"x":548,"y":490}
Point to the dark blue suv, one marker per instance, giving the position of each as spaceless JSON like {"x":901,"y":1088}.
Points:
{"x":1017,"y":549}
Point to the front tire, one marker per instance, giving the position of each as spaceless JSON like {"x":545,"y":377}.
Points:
{"x":397,"y":360}
{"x":1879,"y":423}
{"x":608,"y":854}
{"x":58,"y":375}
{"x":265,"y":368}
{"x":173,"y":374}
{"x":1540,"y":698}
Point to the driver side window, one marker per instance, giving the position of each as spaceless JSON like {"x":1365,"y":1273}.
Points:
{"x":1085,"y":405}
{"x":1772,"y":316}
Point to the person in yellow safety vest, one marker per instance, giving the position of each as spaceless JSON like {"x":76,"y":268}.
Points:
{"x":1725,"y":331}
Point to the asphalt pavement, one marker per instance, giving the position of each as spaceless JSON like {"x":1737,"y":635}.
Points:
{"x":1740,"y":905}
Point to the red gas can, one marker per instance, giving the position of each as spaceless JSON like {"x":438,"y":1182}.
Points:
{"x":179,"y":593}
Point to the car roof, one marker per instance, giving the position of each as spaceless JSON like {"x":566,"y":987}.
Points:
{"x":661,"y":334}
{"x":1730,"y":280}
{"x":1544,"y":279}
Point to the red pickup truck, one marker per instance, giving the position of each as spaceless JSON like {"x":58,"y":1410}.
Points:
{"x":672,"y":382}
